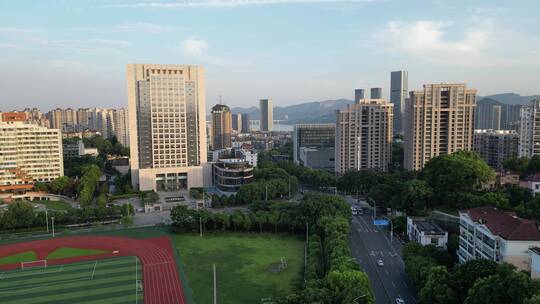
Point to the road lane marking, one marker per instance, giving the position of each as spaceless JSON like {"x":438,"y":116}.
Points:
{"x":393,"y":284}
{"x":386,"y":270}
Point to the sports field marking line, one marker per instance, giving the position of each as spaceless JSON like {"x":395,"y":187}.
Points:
{"x":157,"y":264}
{"x":1,"y":274}
{"x":93,"y":271}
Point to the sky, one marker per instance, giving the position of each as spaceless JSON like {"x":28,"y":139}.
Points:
{"x":73,"y":53}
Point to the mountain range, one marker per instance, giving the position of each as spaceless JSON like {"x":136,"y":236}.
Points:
{"x":325,"y":111}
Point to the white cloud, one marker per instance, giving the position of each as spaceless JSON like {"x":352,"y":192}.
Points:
{"x":142,"y":27}
{"x":226,"y":3}
{"x":477,"y":44}
{"x":17,"y":30}
{"x":194,"y":47}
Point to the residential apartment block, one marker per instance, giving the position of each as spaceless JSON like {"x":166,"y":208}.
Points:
{"x":488,"y":233}
{"x":439,"y":120}
{"x":529,"y":129}
{"x":494,"y":146}
{"x":28,"y":153}
{"x":364,"y":134}
{"x":167,"y":123}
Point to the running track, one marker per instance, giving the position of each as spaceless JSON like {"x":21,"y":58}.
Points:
{"x":161,"y":282}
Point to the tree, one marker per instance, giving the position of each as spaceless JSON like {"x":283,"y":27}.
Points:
{"x":516,"y":164}
{"x":59,"y":185}
{"x":416,"y":195}
{"x":380,"y":195}
{"x":437,"y":289}
{"x":346,"y":286}
{"x":462,"y":171}
{"x":20,"y":214}
{"x":417,"y":268}
{"x":506,"y":286}
{"x":465,"y":275}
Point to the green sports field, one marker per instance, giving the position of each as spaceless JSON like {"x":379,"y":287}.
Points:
{"x":110,"y":281}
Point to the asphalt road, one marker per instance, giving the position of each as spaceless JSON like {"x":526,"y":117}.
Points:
{"x":369,"y":244}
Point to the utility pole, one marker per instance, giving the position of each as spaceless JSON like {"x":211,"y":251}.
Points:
{"x":200,"y":226}
{"x":215,"y":285}
{"x":47,"y":219}
{"x":52,"y":218}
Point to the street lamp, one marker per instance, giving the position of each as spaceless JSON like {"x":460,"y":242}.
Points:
{"x":52,"y":218}
{"x":47,"y":219}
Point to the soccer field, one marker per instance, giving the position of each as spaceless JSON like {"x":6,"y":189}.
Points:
{"x":110,"y":281}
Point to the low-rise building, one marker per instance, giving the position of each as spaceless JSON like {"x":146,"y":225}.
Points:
{"x":535,"y":262}
{"x":76,"y":149}
{"x":488,"y":233}
{"x":231,"y":173}
{"x":531,"y":182}
{"x":426,"y":232}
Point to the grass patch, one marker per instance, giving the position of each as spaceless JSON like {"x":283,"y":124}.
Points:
{"x":27,"y":256}
{"x":244,"y":265}
{"x":68,"y":252}
{"x":56,"y":205}
{"x":111,"y":281}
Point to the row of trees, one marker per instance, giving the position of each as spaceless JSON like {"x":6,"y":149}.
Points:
{"x":475,"y":282}
{"x":22,"y":215}
{"x":331,"y":275}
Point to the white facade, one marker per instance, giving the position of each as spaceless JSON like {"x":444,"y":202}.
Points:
{"x":29,"y":153}
{"x":121,"y":126}
{"x":477,"y":240}
{"x":535,"y":262}
{"x":426,"y":232}
{"x":167,"y":123}
{"x":529,"y":129}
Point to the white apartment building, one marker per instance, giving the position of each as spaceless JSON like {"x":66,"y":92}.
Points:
{"x":121,"y":126}
{"x":167,"y":123}
{"x":438,"y":120}
{"x":28,"y":153}
{"x":488,"y":233}
{"x":529,"y":129}
{"x":426,"y":232}
{"x":364,"y":134}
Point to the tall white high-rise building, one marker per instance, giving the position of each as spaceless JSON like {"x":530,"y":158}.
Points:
{"x":167,"y":123}
{"x":529,"y":129}
{"x":267,"y":114}
{"x":399,"y":81}
{"x":364,"y":136}
{"x":121,"y":127}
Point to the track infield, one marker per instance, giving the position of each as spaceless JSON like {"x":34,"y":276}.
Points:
{"x":110,"y":281}
{"x":155,"y":256}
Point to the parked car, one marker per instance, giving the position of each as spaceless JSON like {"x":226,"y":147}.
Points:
{"x":380,"y":263}
{"x":399,"y":301}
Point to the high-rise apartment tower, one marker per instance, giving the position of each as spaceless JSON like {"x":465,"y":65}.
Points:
{"x":439,"y":120}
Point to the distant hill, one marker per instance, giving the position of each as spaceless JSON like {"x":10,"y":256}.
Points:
{"x":511,"y":98}
{"x":309,"y":112}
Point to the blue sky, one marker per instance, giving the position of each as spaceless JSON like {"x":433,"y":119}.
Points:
{"x":73,"y":53}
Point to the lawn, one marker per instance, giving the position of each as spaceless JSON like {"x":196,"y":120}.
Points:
{"x":27,"y":256}
{"x":67,"y":252}
{"x":56,"y":205}
{"x":111,"y":281}
{"x":247,"y":265}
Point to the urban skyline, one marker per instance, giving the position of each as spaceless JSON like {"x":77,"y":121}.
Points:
{"x":83,"y":52}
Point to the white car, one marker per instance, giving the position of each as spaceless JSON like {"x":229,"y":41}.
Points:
{"x":400,"y":301}
{"x":380,"y":263}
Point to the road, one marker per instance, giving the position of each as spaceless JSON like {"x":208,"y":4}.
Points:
{"x":369,"y":244}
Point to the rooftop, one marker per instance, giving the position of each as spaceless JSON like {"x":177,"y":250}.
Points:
{"x":504,"y":224}
{"x":428,"y":227}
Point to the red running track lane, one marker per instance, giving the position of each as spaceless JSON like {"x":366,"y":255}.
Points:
{"x":160,"y":275}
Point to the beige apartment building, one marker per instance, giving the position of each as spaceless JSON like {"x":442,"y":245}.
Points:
{"x":221,"y":127}
{"x":438,"y":120}
{"x":364,"y":134}
{"x":28,"y":153}
{"x":167,"y":126}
